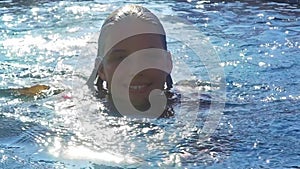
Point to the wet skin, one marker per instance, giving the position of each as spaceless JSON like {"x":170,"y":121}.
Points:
{"x":143,"y":82}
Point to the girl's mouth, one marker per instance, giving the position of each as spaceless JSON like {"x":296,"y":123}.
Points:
{"x":139,"y":88}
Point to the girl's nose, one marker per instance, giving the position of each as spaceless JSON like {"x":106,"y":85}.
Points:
{"x":134,"y":71}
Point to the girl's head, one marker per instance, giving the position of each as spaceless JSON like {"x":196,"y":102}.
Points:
{"x":127,"y":30}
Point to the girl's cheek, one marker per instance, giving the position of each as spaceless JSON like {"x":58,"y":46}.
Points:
{"x":123,"y":70}
{"x":157,"y":74}
{"x":110,"y":69}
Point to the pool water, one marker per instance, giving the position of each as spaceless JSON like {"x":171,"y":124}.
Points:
{"x":53,"y":43}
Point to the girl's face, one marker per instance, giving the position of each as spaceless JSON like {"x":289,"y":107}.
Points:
{"x":143,"y":82}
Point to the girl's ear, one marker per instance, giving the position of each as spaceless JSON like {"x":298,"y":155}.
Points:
{"x":170,"y":63}
{"x":101,"y":73}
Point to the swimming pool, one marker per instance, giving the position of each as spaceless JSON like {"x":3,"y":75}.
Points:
{"x":43,"y":42}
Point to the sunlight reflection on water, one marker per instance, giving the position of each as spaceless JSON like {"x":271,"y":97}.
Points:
{"x":44,"y":43}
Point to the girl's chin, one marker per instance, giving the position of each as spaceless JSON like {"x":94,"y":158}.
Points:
{"x":140,"y":102}
{"x":142,"y":106}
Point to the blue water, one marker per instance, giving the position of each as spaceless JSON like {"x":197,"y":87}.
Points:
{"x":45,"y":42}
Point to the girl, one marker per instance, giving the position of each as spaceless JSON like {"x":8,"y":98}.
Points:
{"x":132,"y":30}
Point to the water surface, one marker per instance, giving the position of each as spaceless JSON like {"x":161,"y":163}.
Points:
{"x":45,"y":42}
